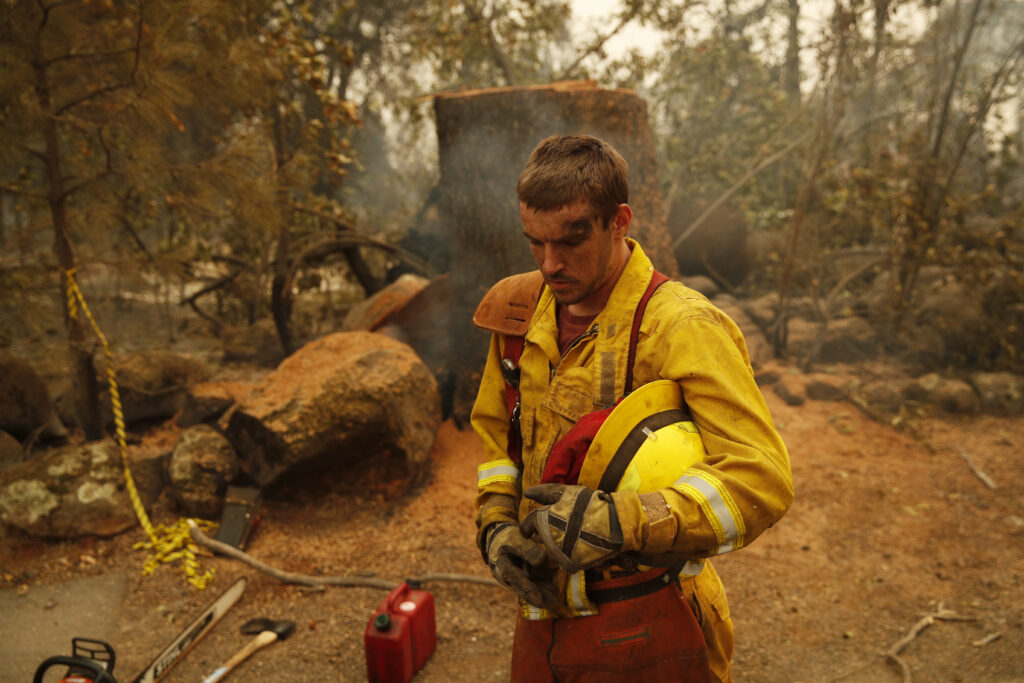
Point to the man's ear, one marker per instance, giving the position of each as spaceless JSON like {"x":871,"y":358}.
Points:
{"x":620,"y":223}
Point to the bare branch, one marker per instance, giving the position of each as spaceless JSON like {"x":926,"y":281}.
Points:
{"x":958,"y":60}
{"x":31,"y":151}
{"x":12,"y":189}
{"x":985,"y":479}
{"x":88,"y":55}
{"x":78,"y":186}
{"x":892,"y":654}
{"x":500,"y":58}
{"x":722,"y":198}
{"x":598,"y":43}
{"x":90,"y":95}
{"x":306,"y":580}
{"x":219,"y":283}
{"x":1008,"y":66}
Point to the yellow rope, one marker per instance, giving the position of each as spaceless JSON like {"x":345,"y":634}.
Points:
{"x":169,"y":544}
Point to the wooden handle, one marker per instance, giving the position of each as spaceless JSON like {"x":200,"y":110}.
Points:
{"x":262,"y":640}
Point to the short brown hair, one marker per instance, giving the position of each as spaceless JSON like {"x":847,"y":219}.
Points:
{"x":566,"y":168}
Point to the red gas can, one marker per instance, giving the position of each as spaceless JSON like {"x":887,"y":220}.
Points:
{"x":401,"y":635}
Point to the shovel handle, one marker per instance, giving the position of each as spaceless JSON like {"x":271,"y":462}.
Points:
{"x":262,"y":640}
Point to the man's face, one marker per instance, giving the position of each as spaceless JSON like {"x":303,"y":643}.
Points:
{"x":577,"y":255}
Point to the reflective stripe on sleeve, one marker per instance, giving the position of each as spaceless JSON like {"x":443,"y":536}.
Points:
{"x":717,"y":505}
{"x":497,"y":470}
{"x":576,"y":596}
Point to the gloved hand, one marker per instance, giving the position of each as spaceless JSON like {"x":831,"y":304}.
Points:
{"x":578,"y":526}
{"x":517,"y":563}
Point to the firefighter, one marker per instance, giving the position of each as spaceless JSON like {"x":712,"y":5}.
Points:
{"x":625,"y":441}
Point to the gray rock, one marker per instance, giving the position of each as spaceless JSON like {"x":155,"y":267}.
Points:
{"x":1001,"y":393}
{"x":848,"y":339}
{"x":763,"y":309}
{"x":152,"y":384}
{"x":791,"y":390}
{"x":208,"y":401}
{"x":25,"y":405}
{"x":70,"y":492}
{"x":341,"y":398}
{"x":920,"y":388}
{"x":886,"y":395}
{"x":956,"y":396}
{"x":801,"y":336}
{"x":951,"y":395}
{"x":257,"y":343}
{"x":825,"y":388}
{"x":767,"y":375}
{"x":199,"y":469}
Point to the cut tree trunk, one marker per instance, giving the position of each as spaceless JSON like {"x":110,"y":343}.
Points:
{"x":485,"y":138}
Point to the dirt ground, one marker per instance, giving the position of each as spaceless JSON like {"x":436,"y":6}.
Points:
{"x":888,"y":527}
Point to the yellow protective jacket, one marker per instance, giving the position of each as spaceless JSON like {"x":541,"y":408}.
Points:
{"x":743,"y":486}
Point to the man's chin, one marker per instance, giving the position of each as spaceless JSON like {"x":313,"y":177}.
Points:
{"x":566,"y":294}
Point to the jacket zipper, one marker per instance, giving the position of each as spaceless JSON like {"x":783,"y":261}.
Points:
{"x":575,"y":342}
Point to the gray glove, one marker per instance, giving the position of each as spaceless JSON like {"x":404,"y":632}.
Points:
{"x":579,"y":526}
{"x":517,"y":563}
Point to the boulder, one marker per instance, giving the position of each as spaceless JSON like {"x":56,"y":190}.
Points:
{"x":763,"y":309}
{"x":952,"y":395}
{"x":843,"y":340}
{"x":208,"y":401}
{"x":257,"y":343}
{"x":25,"y":405}
{"x":152,"y":384}
{"x":885,"y":395}
{"x":342,"y":398}
{"x":848,"y":339}
{"x":199,"y":469}
{"x":791,"y":390}
{"x":821,"y":387}
{"x":1000,"y":393}
{"x":73,"y":491}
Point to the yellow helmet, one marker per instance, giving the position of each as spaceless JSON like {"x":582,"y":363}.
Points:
{"x":646,"y":442}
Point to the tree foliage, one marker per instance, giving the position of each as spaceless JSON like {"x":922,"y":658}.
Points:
{"x":230,"y":147}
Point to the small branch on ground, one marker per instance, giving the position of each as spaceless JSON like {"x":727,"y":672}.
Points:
{"x":941,"y":614}
{"x":992,"y":637}
{"x":985,"y":479}
{"x":306,"y":580}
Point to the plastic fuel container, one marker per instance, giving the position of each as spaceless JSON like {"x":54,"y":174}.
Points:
{"x":401,"y":635}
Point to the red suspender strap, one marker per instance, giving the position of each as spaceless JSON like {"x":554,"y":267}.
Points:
{"x":514,"y":350}
{"x":657,"y":280}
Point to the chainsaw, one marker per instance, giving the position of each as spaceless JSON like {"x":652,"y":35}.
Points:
{"x":92,"y":661}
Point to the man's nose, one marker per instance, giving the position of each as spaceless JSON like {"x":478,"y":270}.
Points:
{"x":552,"y":260}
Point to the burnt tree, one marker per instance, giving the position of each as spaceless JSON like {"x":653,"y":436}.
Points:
{"x":485,"y":138}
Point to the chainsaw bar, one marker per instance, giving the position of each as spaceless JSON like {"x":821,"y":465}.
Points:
{"x":192,"y":634}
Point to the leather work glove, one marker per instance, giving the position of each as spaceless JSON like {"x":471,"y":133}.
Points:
{"x":517,"y":563}
{"x":578,"y":526}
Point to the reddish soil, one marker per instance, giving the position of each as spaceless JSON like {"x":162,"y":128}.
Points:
{"x":888,"y":527}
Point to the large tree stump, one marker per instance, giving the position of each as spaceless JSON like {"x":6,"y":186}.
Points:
{"x":485,"y":138}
